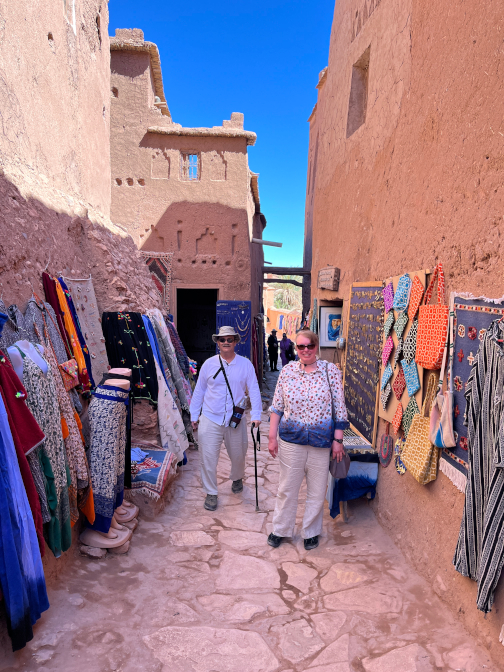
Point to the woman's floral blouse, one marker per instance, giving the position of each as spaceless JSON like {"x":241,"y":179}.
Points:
{"x":303,"y":400}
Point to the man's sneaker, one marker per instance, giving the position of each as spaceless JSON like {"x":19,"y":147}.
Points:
{"x":210,"y":502}
{"x":237,"y":486}
{"x":274,"y":541}
{"x":311,"y":543}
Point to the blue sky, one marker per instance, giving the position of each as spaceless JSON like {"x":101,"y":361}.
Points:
{"x":260,"y":58}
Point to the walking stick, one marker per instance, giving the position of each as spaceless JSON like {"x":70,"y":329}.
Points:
{"x":257,"y":446}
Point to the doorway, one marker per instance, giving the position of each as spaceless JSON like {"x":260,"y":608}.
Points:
{"x":196,"y":322}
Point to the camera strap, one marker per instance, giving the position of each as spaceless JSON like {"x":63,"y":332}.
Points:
{"x":225,"y":378}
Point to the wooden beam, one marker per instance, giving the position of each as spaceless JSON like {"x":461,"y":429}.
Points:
{"x":286,"y":280}
{"x":282,"y":270}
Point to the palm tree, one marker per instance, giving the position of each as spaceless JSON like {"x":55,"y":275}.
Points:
{"x":287,"y":296}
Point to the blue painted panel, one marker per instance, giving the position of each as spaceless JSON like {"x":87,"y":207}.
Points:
{"x":237,"y":314}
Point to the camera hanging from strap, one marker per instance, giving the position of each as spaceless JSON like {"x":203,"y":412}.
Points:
{"x":237,"y":411}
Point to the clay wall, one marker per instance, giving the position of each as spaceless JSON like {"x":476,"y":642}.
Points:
{"x":55,"y":103}
{"x":417,"y":182}
{"x":208,"y":222}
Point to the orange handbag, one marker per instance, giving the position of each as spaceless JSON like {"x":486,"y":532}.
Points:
{"x":432,"y":325}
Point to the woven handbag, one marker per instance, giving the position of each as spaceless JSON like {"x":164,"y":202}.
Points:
{"x":402,"y":293}
{"x":417,"y":292}
{"x":419,"y":455}
{"x":69,"y":374}
{"x":409,"y":347}
{"x":388,"y":324}
{"x":411,"y":376}
{"x":400,"y":323}
{"x":387,"y":375}
{"x":386,"y":448}
{"x":399,"y":384}
{"x":399,"y":464}
{"x":432,"y":325}
{"x":398,"y":355}
{"x":388,"y":296}
{"x":441,"y":417}
{"x":408,"y":415}
{"x":397,"y":419}
{"x":385,"y":396}
{"x":387,"y":350}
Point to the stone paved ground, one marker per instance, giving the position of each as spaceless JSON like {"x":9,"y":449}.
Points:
{"x":202,"y":592}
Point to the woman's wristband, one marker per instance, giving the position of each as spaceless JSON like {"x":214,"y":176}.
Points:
{"x":340,"y":441}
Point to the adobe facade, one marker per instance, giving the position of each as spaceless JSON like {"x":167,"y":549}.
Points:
{"x":187,"y":191}
{"x":405,"y":170}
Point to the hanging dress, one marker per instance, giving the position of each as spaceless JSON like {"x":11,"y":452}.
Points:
{"x":480,"y":548}
{"x":182,"y":357}
{"x":14,"y":327}
{"x":43,"y":403}
{"x":21,"y":573}
{"x":107,"y":417}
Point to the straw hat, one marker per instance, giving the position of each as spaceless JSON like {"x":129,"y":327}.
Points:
{"x":226,"y":331}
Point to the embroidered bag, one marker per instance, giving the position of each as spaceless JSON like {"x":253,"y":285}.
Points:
{"x":417,"y":291}
{"x":419,"y":455}
{"x":387,"y":374}
{"x":408,"y":415}
{"x":411,"y":376}
{"x":399,"y":384}
{"x":337,"y":469}
{"x":385,"y":396}
{"x":400,"y":323}
{"x":399,"y":351}
{"x":399,"y":464}
{"x":441,"y":417}
{"x":387,"y":349}
{"x":397,"y":420}
{"x":388,"y":324}
{"x":386,"y":448}
{"x":401,"y":298}
{"x":70,"y":374}
{"x":409,"y":348}
{"x":388,"y":296}
{"x":432,"y":325}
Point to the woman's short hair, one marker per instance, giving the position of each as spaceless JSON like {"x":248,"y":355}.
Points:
{"x":306,"y":333}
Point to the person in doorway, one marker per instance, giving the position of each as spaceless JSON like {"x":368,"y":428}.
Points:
{"x":273,"y":350}
{"x":285,"y":349}
{"x":219,"y":396}
{"x":309,"y":413}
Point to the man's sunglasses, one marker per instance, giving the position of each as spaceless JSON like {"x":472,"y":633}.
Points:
{"x":231,"y":339}
{"x":310,"y":346}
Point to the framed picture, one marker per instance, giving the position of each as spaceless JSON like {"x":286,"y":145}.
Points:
{"x":330,"y":325}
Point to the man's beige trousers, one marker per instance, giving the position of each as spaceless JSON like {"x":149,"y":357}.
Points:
{"x":210,"y":438}
{"x":296,"y":462}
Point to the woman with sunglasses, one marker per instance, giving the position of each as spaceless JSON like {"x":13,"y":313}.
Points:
{"x":309,"y":415}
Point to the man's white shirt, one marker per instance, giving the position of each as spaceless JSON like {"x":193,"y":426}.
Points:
{"x":211,"y":395}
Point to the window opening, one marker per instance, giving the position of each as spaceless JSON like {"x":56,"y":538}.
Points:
{"x":190,"y":166}
{"x":357,"y":104}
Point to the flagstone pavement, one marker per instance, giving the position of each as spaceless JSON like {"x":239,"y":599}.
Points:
{"x":203,"y":592}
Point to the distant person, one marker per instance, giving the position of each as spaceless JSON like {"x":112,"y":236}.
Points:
{"x":273,"y":350}
{"x":219,"y":396}
{"x":286,"y":349}
{"x":308,"y":412}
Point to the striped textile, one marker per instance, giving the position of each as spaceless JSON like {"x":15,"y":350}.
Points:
{"x":480,"y":548}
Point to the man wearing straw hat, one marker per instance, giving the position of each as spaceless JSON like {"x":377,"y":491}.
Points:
{"x":217,"y":407}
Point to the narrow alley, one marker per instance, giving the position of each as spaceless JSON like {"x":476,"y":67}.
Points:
{"x":201,"y":592}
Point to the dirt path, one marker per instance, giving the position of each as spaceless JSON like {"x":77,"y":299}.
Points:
{"x":201,"y":592}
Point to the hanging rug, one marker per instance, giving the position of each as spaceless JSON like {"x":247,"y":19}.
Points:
{"x":149,"y":476}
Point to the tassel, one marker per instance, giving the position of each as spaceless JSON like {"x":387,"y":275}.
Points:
{"x":456,"y":477}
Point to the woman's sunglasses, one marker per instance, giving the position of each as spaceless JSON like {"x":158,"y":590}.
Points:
{"x":226,"y":340}
{"x":310,"y":346}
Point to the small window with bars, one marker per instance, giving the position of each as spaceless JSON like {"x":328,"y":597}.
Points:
{"x":190,"y":166}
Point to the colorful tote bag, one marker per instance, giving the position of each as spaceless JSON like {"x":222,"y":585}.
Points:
{"x":387,"y":375}
{"x":397,"y":420}
{"x":411,"y":376}
{"x":409,"y":348}
{"x":400,"y":323}
{"x":408,"y":415}
{"x":388,"y":296}
{"x":388,"y":324}
{"x":441,"y":416}
{"x":385,"y":396}
{"x":432,"y":325}
{"x":419,"y":455}
{"x":386,"y":448}
{"x":399,"y":384}
{"x":69,"y":374}
{"x":402,"y":293}
{"x":417,"y":292}
{"x":387,"y":349}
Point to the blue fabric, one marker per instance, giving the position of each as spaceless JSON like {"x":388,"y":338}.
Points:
{"x":402,"y":293}
{"x":320,"y":435}
{"x":154,"y":345}
{"x":361,"y":479}
{"x":3,"y":320}
{"x":411,"y":376}
{"x":21,"y":573}
{"x":82,"y":340}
